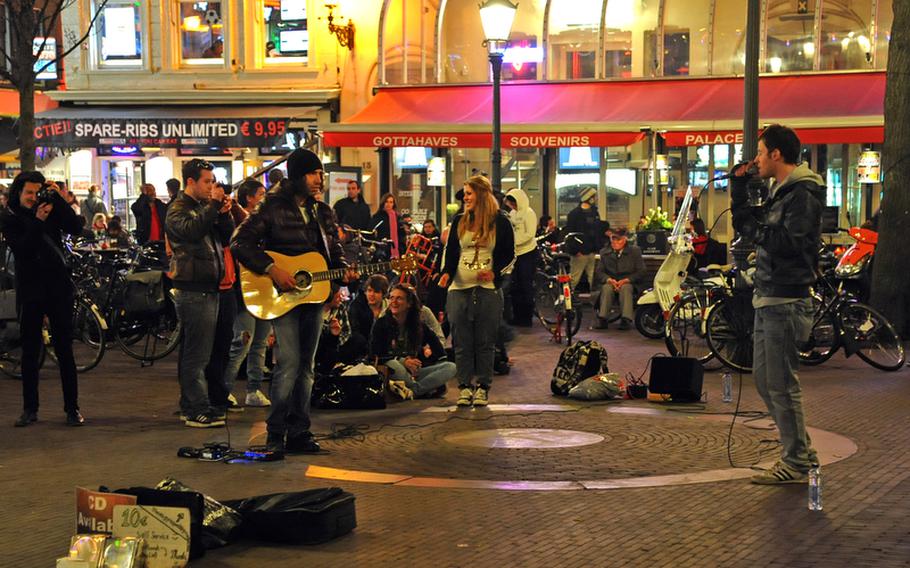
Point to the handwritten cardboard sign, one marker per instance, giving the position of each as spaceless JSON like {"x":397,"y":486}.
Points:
{"x":95,"y":510}
{"x":166,"y":531}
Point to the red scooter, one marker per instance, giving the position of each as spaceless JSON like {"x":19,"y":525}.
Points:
{"x":855,"y":266}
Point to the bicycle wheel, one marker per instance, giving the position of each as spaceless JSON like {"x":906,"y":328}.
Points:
{"x":11,"y":350}
{"x":729,"y":327}
{"x":649,"y":321}
{"x":871,"y":336}
{"x":578,"y":313}
{"x":547,"y":300}
{"x":88,"y":338}
{"x":824,"y":340}
{"x":685,"y":329}
{"x":147,"y":337}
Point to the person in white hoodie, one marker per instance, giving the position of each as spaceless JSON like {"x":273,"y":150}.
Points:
{"x":524,"y":221}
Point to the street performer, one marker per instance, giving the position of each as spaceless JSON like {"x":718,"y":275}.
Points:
{"x":292,"y":221}
{"x":787,"y":232}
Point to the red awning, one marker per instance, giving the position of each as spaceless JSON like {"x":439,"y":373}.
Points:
{"x":834,"y":107}
{"x":9,"y":102}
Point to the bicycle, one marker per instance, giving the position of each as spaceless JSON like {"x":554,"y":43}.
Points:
{"x":685,"y":329}
{"x":555,"y":301}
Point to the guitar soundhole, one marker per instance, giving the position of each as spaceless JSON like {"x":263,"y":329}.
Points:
{"x":304,"y":280}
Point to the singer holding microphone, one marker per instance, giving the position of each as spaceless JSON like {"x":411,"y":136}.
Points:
{"x":787,"y":231}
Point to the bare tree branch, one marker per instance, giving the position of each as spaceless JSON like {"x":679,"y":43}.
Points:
{"x":80,"y":41}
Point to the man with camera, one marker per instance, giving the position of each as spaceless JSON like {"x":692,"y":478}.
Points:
{"x":32,"y":225}
{"x":198,"y":225}
{"x":786,"y":230}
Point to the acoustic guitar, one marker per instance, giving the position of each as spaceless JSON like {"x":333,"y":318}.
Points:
{"x":265,"y":301}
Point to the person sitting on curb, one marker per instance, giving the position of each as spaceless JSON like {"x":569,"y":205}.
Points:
{"x":620,"y":267}
{"x":411,"y":351}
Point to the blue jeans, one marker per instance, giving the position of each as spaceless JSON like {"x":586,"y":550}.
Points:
{"x":428,"y":378}
{"x":250,"y":342}
{"x":296,"y":337}
{"x":474,"y":315}
{"x":777,"y":331}
{"x":198,"y":314}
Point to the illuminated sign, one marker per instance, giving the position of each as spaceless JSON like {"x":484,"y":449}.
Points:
{"x":46,"y":65}
{"x":869,"y":167}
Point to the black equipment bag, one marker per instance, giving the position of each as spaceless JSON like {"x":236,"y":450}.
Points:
{"x":349,"y":392}
{"x":306,"y":517}
{"x":144,"y":292}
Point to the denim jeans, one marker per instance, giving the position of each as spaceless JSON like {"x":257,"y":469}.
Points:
{"x":474,"y":315}
{"x":198,"y":315}
{"x":428,"y":378}
{"x":777,"y":331}
{"x":296,"y":337}
{"x":59,"y":310}
{"x":224,"y":331}
{"x":250,"y":342}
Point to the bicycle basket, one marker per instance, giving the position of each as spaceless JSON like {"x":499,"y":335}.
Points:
{"x":144,"y":292}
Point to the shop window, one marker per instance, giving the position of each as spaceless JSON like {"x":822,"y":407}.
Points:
{"x":630,"y":39}
{"x":202,"y":33}
{"x":846,"y":33}
{"x":574,"y":29}
{"x":883,"y":21}
{"x":729,"y":38}
{"x":409,"y":184}
{"x":791,"y":36}
{"x":286,"y":37}
{"x":686,"y":37}
{"x":119,"y":34}
{"x":408,"y":42}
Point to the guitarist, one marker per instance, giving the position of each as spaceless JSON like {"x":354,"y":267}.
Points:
{"x":292,"y":221}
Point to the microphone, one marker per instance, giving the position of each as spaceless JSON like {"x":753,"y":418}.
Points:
{"x":731,"y":174}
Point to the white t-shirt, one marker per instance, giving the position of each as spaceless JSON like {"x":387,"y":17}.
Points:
{"x":474,"y":258}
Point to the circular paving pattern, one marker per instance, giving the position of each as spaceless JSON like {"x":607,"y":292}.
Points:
{"x":593,"y":447}
{"x":524,"y":438}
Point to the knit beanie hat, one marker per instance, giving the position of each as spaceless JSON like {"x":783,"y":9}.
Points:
{"x":587,"y":193}
{"x":302,"y":162}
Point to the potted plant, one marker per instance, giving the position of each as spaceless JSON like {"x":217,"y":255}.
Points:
{"x":651,"y":232}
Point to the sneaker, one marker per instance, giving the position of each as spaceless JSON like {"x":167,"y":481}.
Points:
{"x":465,"y":396}
{"x":480,"y":396}
{"x":256,"y":398}
{"x":204,"y":421}
{"x":401,"y":390}
{"x":74,"y":418}
{"x":780,"y":473}
{"x":601,"y":323}
{"x":624,"y":324}
{"x":218,"y":414}
{"x":26,"y":419}
{"x":301,"y":443}
{"x":233,"y":405}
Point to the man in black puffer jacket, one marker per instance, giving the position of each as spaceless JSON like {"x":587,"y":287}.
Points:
{"x":786,"y":229}
{"x":292,"y":221}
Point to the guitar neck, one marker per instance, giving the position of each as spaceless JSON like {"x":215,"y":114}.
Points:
{"x":364,"y":270}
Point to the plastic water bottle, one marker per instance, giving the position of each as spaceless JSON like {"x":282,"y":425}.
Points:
{"x":727,"y":387}
{"x":815,"y":489}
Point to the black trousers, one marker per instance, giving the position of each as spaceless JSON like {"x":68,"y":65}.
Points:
{"x":221,"y":349}
{"x":522,"y":288}
{"x":58,"y":307}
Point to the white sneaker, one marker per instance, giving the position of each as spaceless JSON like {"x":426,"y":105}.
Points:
{"x":401,"y":390}
{"x":256,"y":398}
{"x":465,"y":396}
{"x":480,"y":397}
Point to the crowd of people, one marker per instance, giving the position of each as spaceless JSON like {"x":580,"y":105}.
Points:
{"x":490,"y":244}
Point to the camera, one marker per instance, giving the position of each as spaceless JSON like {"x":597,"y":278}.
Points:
{"x":45,"y":194}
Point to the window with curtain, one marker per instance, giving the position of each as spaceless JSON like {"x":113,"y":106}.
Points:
{"x":729,"y":38}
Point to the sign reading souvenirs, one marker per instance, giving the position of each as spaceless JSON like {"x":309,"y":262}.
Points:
{"x":162,"y":132}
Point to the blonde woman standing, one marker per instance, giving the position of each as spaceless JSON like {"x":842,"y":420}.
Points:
{"x":480,"y":246}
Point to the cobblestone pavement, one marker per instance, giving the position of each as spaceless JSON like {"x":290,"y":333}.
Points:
{"x":132,"y":435}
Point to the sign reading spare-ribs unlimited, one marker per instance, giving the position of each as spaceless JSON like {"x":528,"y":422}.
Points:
{"x":163,"y":132}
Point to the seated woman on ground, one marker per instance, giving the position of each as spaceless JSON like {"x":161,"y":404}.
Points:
{"x":411,"y":351}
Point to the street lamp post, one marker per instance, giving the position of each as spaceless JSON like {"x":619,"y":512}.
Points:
{"x":497,"y":17}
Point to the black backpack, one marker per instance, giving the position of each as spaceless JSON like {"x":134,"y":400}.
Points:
{"x":576,"y":363}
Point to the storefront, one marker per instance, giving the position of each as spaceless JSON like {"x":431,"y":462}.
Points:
{"x":559,"y":138}
{"x":119,"y":149}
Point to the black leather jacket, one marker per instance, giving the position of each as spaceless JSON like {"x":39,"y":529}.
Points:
{"x":278,"y":225}
{"x":196,"y":232}
{"x":143,"y":212}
